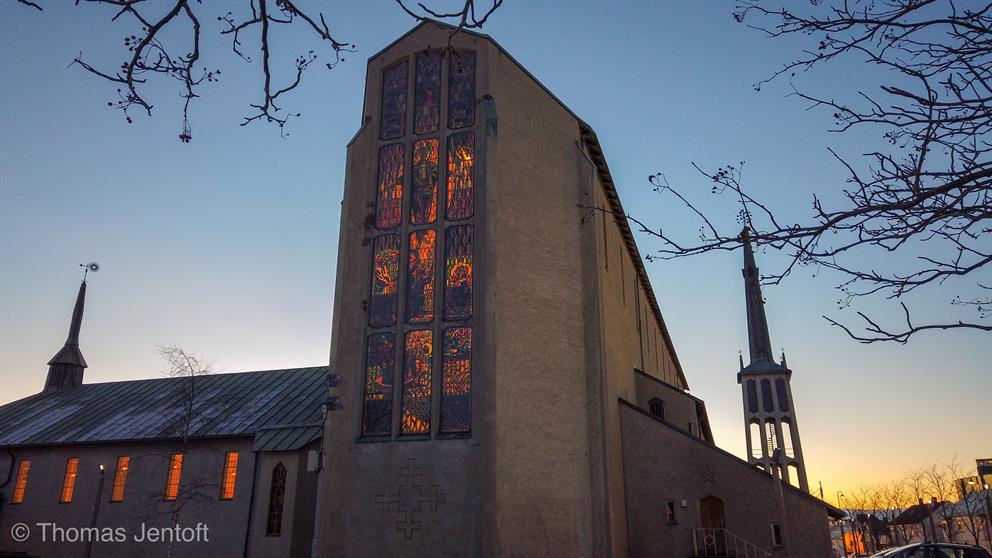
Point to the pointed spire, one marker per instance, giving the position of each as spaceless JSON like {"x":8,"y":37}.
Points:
{"x":66,"y":367}
{"x":783,"y":359}
{"x":740,"y":357}
{"x":757,"y":324}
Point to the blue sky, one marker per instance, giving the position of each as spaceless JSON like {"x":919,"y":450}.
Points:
{"x":227,"y":245}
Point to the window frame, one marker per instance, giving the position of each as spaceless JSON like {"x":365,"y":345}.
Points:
{"x":229,"y":476}
{"x":21,"y":482}
{"x":120,"y":479}
{"x":175,"y":469}
{"x":69,"y":480}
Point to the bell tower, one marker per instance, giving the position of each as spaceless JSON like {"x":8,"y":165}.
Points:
{"x":769,"y":412}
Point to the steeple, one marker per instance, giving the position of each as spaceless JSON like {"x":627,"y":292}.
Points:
{"x":757,"y":324}
{"x":66,"y":367}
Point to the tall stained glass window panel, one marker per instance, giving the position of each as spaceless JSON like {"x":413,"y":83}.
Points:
{"x":385,"y":280}
{"x":417,"y":360}
{"x":427,"y":95}
{"x":456,"y":381}
{"x":461,"y":179}
{"x":394,"y":102}
{"x":461,"y":90}
{"x":423,"y":197}
{"x":379,"y":369}
{"x":389,"y":194}
{"x":420,"y":277}
{"x":458,"y":273}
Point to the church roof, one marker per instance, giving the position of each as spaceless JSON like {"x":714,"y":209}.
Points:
{"x":223,"y":405}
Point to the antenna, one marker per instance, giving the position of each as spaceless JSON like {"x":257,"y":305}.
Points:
{"x":88,"y":267}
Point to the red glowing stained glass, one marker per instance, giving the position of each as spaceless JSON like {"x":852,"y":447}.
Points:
{"x":379,"y":369}
{"x":418,"y":356}
{"x":423,"y":195}
{"x":427,"y":96}
{"x":456,"y":381}
{"x":458,"y":273}
{"x":389,"y":196}
{"x":393,"y":123}
{"x":385,"y":280}
{"x":420,"y":277}
{"x":461,"y":181}
{"x":461,"y":90}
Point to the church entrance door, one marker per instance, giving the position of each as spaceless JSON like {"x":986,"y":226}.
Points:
{"x":714,"y":525}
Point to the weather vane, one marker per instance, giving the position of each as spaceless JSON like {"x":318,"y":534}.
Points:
{"x":88,"y":267}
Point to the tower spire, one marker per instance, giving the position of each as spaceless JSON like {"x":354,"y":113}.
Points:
{"x":757,"y":324}
{"x":66,"y":367}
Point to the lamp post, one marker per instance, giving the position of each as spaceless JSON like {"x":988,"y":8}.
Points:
{"x":843,"y":540}
{"x":778,"y":474}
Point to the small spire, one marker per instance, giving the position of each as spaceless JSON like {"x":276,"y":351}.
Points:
{"x":757,"y":323}
{"x":740,"y":357}
{"x":783,"y":358}
{"x":66,"y":367}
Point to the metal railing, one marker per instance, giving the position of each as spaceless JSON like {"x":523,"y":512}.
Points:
{"x":722,"y":542}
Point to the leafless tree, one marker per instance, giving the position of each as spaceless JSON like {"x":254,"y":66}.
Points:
{"x":924,"y":195}
{"x":148,"y":53}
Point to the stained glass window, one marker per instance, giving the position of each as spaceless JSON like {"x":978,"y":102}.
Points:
{"x":120,"y":479}
{"x":385,"y":280}
{"x":389,"y":196}
{"x":456,"y":380}
{"x":461,"y":181}
{"x":427,"y":98}
{"x":394,"y":102}
{"x":420,"y":277}
{"x":277,"y":497}
{"x":379,"y":368}
{"x":423,"y":197}
{"x":69,"y":481}
{"x":458,"y":273}
{"x":417,"y":382}
{"x":461,"y":90}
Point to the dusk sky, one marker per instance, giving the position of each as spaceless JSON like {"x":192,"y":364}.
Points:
{"x":227,"y":245}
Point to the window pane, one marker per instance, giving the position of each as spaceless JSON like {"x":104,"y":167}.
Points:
{"x":230,"y":475}
{"x":461,"y":90}
{"x":456,"y":380}
{"x":458,"y":273}
{"x":22,"y":482}
{"x":120,"y":478}
{"x":420,"y":277}
{"x":379,"y":368}
{"x":394,"y":102}
{"x":417,"y":382}
{"x":385,"y":280}
{"x":423,"y":195}
{"x":752,"y":397}
{"x":427,"y":111}
{"x":172,"y":482}
{"x":783,"y":398}
{"x":277,"y":496}
{"x":461,"y":183}
{"x":766,"y":396}
{"x":389,"y":196}
{"x":69,"y":481}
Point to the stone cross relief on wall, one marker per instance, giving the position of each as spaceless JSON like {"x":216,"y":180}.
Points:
{"x":409,"y":499}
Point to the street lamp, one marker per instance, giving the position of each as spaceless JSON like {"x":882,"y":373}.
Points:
{"x":843,"y":540}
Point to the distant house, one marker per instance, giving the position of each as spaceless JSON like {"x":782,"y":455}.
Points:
{"x":920,"y":523}
{"x":235,"y":454}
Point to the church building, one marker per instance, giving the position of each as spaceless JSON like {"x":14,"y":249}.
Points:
{"x":502,"y":381}
{"x":509,"y":384}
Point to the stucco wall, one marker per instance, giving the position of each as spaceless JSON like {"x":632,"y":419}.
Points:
{"x":664,"y":465}
{"x":680,"y":408}
{"x":143,"y":498}
{"x":298,"y":506}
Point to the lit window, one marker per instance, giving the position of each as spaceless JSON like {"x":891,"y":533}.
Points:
{"x":417,"y":375}
{"x":389,"y":197}
{"x":379,"y":368}
{"x":230,"y":474}
{"x":456,"y":381}
{"x":420,"y":277}
{"x":21,"y":483}
{"x":461,"y":181}
{"x":458,"y":273}
{"x":120,"y":478}
{"x":69,"y":481}
{"x":277,"y":493}
{"x":172,"y":482}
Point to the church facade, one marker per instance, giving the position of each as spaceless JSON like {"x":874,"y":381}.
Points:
{"x":509,"y":385}
{"x":502,"y":381}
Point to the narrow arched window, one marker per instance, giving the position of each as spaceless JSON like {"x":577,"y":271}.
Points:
{"x":766,"y":395}
{"x":277,"y":495}
{"x":752,"y":397}
{"x":657,"y":408}
{"x":783,"y":396}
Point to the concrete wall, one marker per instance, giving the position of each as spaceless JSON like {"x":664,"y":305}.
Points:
{"x":664,"y":465}
{"x":143,"y":498}
{"x":680,"y":407}
{"x":298,"y":506}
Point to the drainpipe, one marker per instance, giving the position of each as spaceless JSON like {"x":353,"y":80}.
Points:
{"x":10,"y":474}
{"x":251,"y":503}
